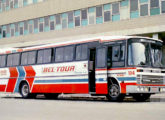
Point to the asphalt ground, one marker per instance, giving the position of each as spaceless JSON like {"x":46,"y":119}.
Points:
{"x":80,"y":107}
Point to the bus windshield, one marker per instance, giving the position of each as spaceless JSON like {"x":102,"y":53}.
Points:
{"x":143,"y":52}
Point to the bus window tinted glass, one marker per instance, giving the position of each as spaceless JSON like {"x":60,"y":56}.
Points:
{"x":2,"y":61}
{"x":81,"y":52}
{"x":32,"y":57}
{"x":69,"y":52}
{"x":115,"y":53}
{"x":101,"y":57}
{"x":47,"y":55}
{"x":24,"y":58}
{"x":122,"y":52}
{"x":9,"y":60}
{"x":59,"y":55}
{"x":40,"y":56}
{"x":16,"y":58}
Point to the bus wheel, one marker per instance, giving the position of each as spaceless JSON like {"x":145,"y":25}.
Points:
{"x":141,"y":97}
{"x":114,"y":93}
{"x":51,"y":95}
{"x":25,"y":91}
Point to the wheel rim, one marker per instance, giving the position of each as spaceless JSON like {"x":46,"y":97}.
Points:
{"x":114,"y":91}
{"x":25,"y":90}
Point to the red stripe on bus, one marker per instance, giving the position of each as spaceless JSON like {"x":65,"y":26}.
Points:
{"x":115,"y":69}
{"x":60,"y":88}
{"x":123,"y":86}
{"x":101,"y":88}
{"x":12,"y":79}
{"x":30,"y":74}
{"x":2,"y":88}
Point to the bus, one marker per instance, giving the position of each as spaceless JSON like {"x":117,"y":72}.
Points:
{"x":111,"y":66}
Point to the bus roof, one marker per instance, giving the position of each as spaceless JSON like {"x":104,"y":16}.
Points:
{"x":77,"y":41}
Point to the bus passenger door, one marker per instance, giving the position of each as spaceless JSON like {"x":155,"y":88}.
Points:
{"x":92,"y":80}
{"x":101,"y":70}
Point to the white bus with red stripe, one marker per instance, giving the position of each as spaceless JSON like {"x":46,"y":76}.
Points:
{"x":111,"y":66}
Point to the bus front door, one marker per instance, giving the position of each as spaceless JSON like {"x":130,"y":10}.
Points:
{"x":92,"y":79}
{"x":101,"y":73}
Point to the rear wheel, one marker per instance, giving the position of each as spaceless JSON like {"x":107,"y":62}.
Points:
{"x":114,"y":93}
{"x":25,"y":91}
{"x":51,"y":95}
{"x":141,"y":97}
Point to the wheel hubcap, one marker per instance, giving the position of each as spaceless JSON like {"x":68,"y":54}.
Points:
{"x":114,"y":91}
{"x":25,"y":90}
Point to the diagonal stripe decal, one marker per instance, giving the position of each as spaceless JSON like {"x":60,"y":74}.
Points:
{"x":20,"y":77}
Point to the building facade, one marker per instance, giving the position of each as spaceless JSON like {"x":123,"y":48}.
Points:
{"x":34,"y":22}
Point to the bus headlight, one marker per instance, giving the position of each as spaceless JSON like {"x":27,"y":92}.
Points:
{"x":146,"y":89}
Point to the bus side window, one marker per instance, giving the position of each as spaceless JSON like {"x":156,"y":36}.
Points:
{"x":101,"y":58}
{"x":118,"y":55}
{"x":81,"y":52}
{"x":24,"y":58}
{"x":3,"y":61}
{"x":32,"y":57}
{"x":115,"y":53}
{"x":59,"y":54}
{"x":44,"y":56}
{"x":122,"y":52}
{"x":13,"y":59}
{"x":68,"y":53}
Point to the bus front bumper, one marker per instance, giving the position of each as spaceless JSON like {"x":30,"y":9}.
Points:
{"x":145,"y":89}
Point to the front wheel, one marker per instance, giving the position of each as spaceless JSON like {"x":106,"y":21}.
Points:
{"x":114,"y":93}
{"x":141,"y":97}
{"x":25,"y":91}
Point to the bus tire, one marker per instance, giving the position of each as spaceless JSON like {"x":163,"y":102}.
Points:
{"x":51,"y":95}
{"x":114,"y":93}
{"x":141,"y":97}
{"x":25,"y":91}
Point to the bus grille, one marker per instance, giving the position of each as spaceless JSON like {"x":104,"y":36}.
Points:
{"x":150,"y":79}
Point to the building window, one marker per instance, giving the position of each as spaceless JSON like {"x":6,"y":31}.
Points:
{"x":52,"y":23}
{"x":163,"y":6}
{"x":91,"y":15}
{"x":133,"y":5}
{"x":154,"y":3}
{"x":30,"y":26}
{"x":64,"y":20}
{"x":58,"y":22}
{"x":12,"y":32}
{"x":99,"y":15}
{"x":70,"y":20}
{"x":41,"y":27}
{"x":46,"y":24}
{"x":8,"y":31}
{"x":77,"y":18}
{"x":115,"y":8}
{"x":144,"y":10}
{"x":107,"y":12}
{"x":154,"y":7}
{"x":11,"y":4}
{"x":84,"y":21}
{"x":36,"y":21}
{"x":25,"y":27}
